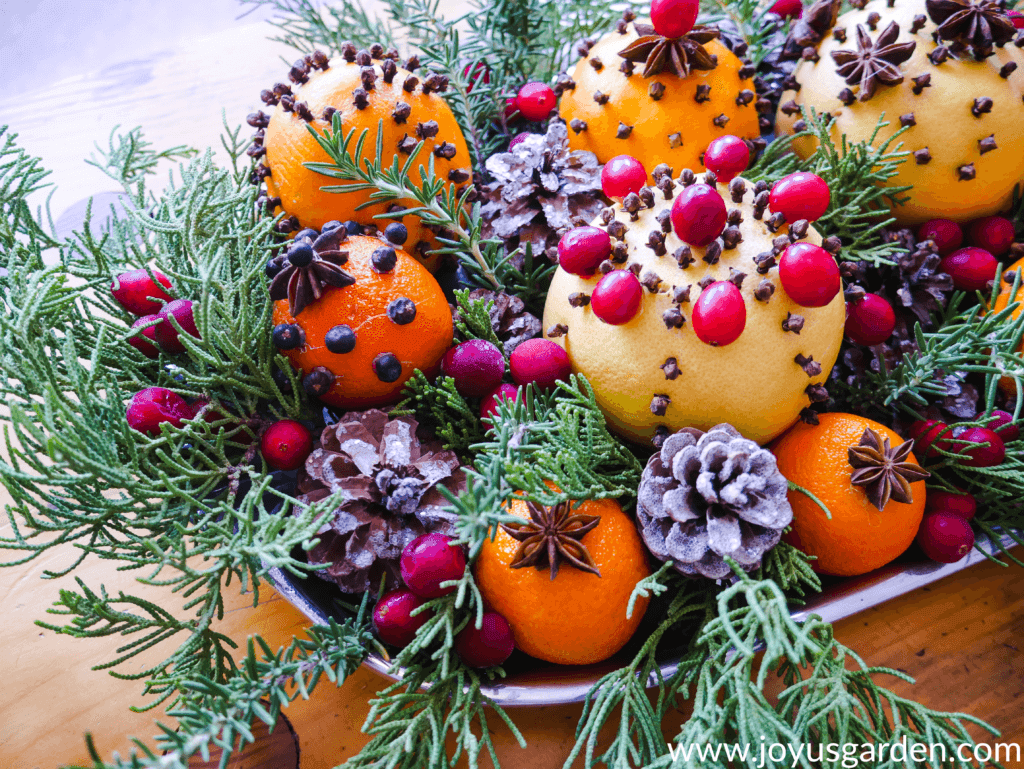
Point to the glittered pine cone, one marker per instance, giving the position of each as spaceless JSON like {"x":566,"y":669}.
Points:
{"x":705,"y":496}
{"x":540,"y":189}
{"x":390,"y":477}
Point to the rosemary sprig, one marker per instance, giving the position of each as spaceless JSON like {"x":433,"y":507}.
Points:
{"x":436,"y":202}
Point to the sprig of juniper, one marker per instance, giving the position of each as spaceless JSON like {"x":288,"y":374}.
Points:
{"x":217,"y":714}
{"x":855,"y":173}
{"x":188,"y":509}
{"x":456,"y":423}
{"x":436,"y":202}
{"x":830,"y":696}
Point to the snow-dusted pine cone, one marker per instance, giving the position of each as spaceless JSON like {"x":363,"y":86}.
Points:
{"x":704,"y":496}
{"x":540,"y":189}
{"x":391,"y":479}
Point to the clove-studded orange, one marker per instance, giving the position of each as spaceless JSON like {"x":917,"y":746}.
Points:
{"x":364,"y":89}
{"x":658,"y":99}
{"x":946,"y":74}
{"x":358,"y":316}
{"x":563,"y":579}
{"x":867,"y":477}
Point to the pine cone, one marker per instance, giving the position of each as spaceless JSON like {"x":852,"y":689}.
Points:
{"x":917,"y":290}
{"x":540,"y":190}
{"x":704,"y":496}
{"x":511,"y":323}
{"x":391,"y":478}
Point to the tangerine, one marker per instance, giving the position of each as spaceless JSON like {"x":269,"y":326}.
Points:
{"x":1007,"y":384}
{"x":577,"y":618}
{"x":858,"y":538}
{"x":383,"y":346}
{"x":406,"y":116}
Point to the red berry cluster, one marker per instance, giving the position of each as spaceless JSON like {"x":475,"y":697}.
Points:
{"x":428,"y":564}
{"x":972,"y":266}
{"x":478,"y":368}
{"x":138,"y":293}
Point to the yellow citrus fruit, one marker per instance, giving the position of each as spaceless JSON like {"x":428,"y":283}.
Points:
{"x":578,"y":618}
{"x":858,"y":538}
{"x":754,"y":383}
{"x":941,"y":115}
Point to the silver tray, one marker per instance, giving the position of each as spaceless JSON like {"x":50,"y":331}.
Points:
{"x":531,"y":682}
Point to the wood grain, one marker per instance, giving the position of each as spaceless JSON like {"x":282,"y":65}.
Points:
{"x":961,"y":638}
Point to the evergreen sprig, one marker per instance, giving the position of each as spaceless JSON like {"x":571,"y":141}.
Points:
{"x":856,"y":173}
{"x":188,"y":508}
{"x":438,"y":404}
{"x":830,"y":695}
{"x":218,"y":715}
{"x":437,"y":204}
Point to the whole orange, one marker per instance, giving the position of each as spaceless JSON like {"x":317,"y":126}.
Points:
{"x":859,"y":538}
{"x":1006,"y":384}
{"x":405,"y":115}
{"x":363,"y":306}
{"x":577,"y":618}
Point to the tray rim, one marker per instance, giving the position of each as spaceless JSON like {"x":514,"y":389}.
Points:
{"x":561,"y":685}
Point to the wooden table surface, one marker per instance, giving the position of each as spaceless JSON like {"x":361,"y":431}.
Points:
{"x":961,"y":638}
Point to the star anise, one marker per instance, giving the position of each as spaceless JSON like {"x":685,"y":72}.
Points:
{"x":308,"y":267}
{"x":810,"y":29}
{"x":874,"y":62}
{"x":981,"y":23}
{"x":884,"y":472}
{"x":678,"y":55}
{"x":552,"y":535}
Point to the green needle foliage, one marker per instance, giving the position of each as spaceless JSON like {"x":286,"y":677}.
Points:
{"x":436,"y":202}
{"x":855,"y":172}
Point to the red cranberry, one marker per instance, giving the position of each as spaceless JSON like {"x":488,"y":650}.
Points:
{"x":428,"y":561}
{"x":719,"y":314}
{"x":582,"y":249}
{"x":541,"y":362}
{"x":727,"y":156}
{"x":518,"y":139}
{"x":1017,"y":18}
{"x":792,"y":9}
{"x":975,"y":455}
{"x":153,"y":406}
{"x":1002,"y":424}
{"x":393,"y":619}
{"x":972,"y":269}
{"x":961,"y":505}
{"x":809,"y":274}
{"x":945,"y":234}
{"x":698,"y":214}
{"x":143,"y":341}
{"x":869,"y":320}
{"x":925,"y":434}
{"x":489,"y":645}
{"x":617,"y":297}
{"x":133,"y":289}
{"x":944,"y":537}
{"x":622,"y":175}
{"x":995,"y":234}
{"x":166,"y":334}
{"x":286,"y":444}
{"x":535,"y":101}
{"x":511,"y":108}
{"x":503,"y":392}
{"x":674,"y":18}
{"x":802,"y":195}
{"x":477,"y":72}
{"x":477,"y":367}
